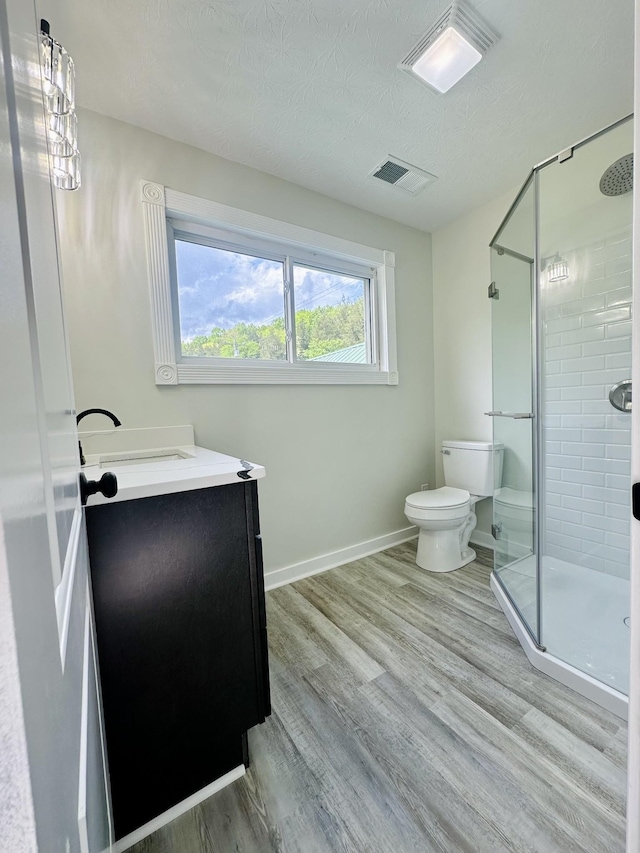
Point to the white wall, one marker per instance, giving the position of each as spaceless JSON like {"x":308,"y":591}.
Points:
{"x":17,"y":818}
{"x":462,"y":331}
{"x":340,"y":460}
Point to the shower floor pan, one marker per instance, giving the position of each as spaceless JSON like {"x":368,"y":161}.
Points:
{"x":583,"y":628}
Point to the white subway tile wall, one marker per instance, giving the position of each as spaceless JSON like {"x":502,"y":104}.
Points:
{"x":587,"y":443}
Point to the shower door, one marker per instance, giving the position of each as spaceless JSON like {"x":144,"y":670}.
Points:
{"x":513,"y":433}
{"x":513,"y":301}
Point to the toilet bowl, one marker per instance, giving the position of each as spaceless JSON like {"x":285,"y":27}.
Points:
{"x":446,"y":520}
{"x":446,"y":517}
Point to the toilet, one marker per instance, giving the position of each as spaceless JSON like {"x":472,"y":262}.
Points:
{"x":446,"y":516}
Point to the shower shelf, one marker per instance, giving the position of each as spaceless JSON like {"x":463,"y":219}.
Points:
{"x":518,"y":416}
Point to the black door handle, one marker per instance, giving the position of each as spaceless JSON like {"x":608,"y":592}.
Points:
{"x":635,"y":500}
{"x":107,"y":484}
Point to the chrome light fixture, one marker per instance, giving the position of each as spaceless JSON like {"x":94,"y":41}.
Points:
{"x":59,"y":83}
{"x":450,"y":48}
{"x":558,"y":269}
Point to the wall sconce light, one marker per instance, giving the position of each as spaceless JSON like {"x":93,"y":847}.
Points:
{"x":59,"y":85}
{"x":557,"y":269}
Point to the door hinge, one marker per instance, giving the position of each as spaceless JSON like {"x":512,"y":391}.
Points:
{"x":496,"y":530}
{"x":494,"y":293}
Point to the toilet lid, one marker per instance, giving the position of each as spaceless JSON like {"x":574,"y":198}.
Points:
{"x":443,"y":498}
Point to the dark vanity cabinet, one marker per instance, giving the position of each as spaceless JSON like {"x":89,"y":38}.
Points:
{"x":178,"y":593}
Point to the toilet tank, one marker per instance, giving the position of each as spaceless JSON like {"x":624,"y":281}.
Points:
{"x":470,"y":465}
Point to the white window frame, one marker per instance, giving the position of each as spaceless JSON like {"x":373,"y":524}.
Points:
{"x":164,"y":208}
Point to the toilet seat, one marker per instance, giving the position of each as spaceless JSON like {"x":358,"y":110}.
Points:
{"x":439,"y":499}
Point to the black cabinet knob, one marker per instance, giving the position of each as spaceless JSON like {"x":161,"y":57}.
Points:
{"x":107,"y":484}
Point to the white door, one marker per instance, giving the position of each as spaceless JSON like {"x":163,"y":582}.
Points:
{"x":53,"y":780}
{"x":633,"y":763}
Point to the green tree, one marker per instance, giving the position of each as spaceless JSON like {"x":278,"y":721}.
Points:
{"x":319,"y":331}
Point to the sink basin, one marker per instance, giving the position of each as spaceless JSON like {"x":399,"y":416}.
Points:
{"x":143,"y":457}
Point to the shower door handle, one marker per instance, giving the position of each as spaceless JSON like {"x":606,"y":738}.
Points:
{"x":515,"y":415}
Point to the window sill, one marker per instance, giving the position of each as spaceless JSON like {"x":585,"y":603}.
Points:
{"x":287,"y":374}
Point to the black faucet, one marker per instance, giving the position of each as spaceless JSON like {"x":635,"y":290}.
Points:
{"x":84,"y":414}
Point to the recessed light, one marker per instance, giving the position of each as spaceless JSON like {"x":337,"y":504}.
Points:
{"x":450,"y":48}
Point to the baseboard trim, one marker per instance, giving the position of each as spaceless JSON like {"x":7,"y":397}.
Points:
{"x":566,"y":674}
{"x":317,"y":565}
{"x":175,"y":811}
{"x":485,"y":540}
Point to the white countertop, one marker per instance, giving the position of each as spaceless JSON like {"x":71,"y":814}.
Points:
{"x":200,"y":469}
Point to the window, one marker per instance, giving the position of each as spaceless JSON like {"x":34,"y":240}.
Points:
{"x":230,"y":304}
{"x":240,"y":298}
{"x":236,"y":305}
{"x":332,"y":318}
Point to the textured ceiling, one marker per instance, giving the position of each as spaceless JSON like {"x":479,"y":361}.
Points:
{"x":309,"y":90}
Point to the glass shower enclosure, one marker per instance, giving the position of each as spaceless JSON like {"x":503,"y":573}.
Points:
{"x":561,"y":328}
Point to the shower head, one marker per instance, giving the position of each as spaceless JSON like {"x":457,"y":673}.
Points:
{"x":618,"y":178}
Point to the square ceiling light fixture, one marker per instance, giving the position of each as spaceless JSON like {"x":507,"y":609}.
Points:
{"x":450,"y":48}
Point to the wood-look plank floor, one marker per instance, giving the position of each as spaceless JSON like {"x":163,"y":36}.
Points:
{"x":406,"y":719}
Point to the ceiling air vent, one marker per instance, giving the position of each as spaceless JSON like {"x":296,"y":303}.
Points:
{"x":402,"y":175}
